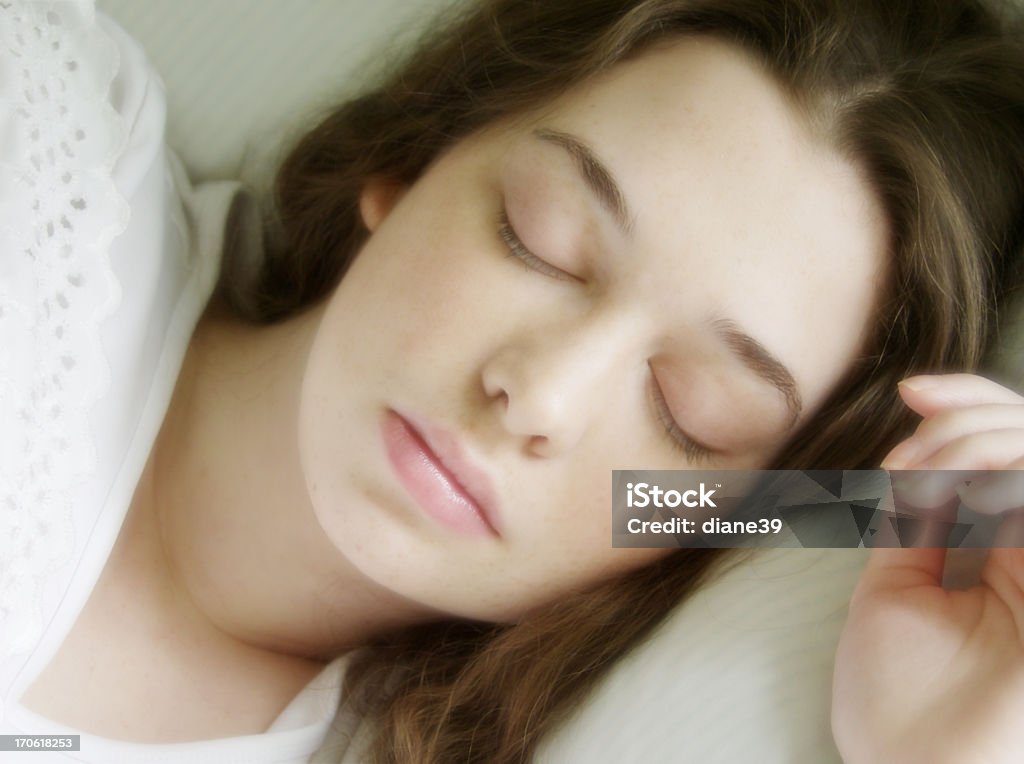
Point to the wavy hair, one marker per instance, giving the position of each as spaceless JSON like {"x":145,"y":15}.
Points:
{"x":925,"y":96}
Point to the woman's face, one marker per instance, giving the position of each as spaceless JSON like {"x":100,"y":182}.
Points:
{"x":663,"y":270}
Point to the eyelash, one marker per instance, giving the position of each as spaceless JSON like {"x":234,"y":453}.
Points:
{"x":694,"y":452}
{"x":518,"y":250}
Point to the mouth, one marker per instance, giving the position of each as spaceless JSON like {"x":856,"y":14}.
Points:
{"x":434,"y":468}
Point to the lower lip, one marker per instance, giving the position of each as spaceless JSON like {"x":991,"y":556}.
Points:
{"x":432,"y":486}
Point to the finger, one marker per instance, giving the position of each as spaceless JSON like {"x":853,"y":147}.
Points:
{"x":996,"y":492}
{"x":923,"y":492}
{"x":1010,"y":533}
{"x":902,"y":457}
{"x":944,"y":426}
{"x":931,"y":393}
{"x":896,"y":565}
{"x":891,"y":570}
{"x":1003,"y":571}
{"x":992,"y":450}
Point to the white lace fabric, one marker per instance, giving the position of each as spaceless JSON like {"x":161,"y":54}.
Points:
{"x":59,"y":211}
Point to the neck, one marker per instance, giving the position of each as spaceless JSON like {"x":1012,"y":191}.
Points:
{"x":229,"y":505}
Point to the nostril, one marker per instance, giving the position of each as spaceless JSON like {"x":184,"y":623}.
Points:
{"x":497,"y":392}
{"x":539,"y":445}
{"x":495,"y":386}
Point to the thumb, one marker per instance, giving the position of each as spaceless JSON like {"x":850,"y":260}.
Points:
{"x":890,"y":570}
{"x":892,"y":567}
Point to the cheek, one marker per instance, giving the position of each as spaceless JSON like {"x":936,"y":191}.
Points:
{"x":422,"y":285}
{"x":568,"y":533}
{"x":323,"y":422}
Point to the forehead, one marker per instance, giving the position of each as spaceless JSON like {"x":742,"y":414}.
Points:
{"x":681,"y":107}
{"x":727,"y":187}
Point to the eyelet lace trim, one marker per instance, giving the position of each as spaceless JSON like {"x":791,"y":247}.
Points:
{"x":59,"y":211}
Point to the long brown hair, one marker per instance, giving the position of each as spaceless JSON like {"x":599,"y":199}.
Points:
{"x":926,"y":96}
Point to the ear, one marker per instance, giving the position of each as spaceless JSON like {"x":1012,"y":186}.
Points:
{"x":378,"y":197}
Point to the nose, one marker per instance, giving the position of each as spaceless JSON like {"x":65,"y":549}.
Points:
{"x":550,"y":383}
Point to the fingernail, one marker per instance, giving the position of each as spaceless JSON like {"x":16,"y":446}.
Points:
{"x":917,"y":384}
{"x":900,"y":456}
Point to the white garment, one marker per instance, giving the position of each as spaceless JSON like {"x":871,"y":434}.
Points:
{"x":108,"y":256}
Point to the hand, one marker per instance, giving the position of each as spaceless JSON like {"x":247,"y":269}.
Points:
{"x":928,"y":675}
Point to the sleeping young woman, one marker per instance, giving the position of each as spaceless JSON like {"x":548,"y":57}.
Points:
{"x":563,"y":237}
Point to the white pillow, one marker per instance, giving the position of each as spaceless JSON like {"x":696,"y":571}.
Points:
{"x":239,"y":73}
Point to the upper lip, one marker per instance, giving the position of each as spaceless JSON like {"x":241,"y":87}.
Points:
{"x":454,"y":458}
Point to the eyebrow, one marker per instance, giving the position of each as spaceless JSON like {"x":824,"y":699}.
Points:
{"x":759,"y":360}
{"x":598,"y":177}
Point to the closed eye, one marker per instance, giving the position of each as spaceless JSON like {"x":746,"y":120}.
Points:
{"x":694,"y":451}
{"x":518,"y":250}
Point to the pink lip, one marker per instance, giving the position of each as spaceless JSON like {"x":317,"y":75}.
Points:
{"x":433,"y":467}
